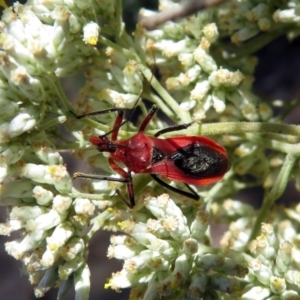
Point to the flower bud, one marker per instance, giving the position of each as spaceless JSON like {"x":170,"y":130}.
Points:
{"x":206,"y":61}
{"x":42,"y":196}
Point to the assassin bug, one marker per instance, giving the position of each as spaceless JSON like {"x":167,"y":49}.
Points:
{"x":194,"y":160}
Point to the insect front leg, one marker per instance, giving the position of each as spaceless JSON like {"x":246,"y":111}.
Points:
{"x":128,"y":179}
{"x":148,"y":118}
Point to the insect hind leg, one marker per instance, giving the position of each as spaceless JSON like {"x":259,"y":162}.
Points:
{"x":193,"y":195}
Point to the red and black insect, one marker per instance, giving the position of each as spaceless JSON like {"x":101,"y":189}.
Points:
{"x":188,"y":159}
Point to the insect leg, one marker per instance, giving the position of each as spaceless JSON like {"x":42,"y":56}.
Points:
{"x":191,"y":195}
{"x":97,"y":113}
{"x":148,"y":118}
{"x":193,"y":192}
{"x":117,"y":124}
{"x":173,"y":128}
{"x":98,"y":177}
{"x":128,"y":179}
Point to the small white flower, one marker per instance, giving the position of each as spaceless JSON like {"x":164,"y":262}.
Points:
{"x":218,"y":100}
{"x":23,"y":122}
{"x":120,"y":252}
{"x":263,"y":273}
{"x":82,"y":282}
{"x":70,"y":267}
{"x":257,"y":12}
{"x":200,"y":90}
{"x":256,"y":292}
{"x":30,"y":86}
{"x":91,"y":32}
{"x":223,"y":77}
{"x":42,"y":196}
{"x":277,"y":285}
{"x":199,"y":226}
{"x":203,"y":106}
{"x":49,"y":258}
{"x":206,"y":61}
{"x":293,"y":277}
{"x":286,"y":16}
{"x":284,"y":256}
{"x":170,"y":48}
{"x":183,"y":79}
{"x":198,"y":285}
{"x":72,"y":248}
{"x":25,"y":213}
{"x":122,"y":100}
{"x":245,"y":149}
{"x":118,"y":281}
{"x":10,"y":226}
{"x":11,"y":154}
{"x":245,"y":34}
{"x":84,"y":206}
{"x":246,"y":105}
{"x":61,"y":203}
{"x":46,"y":153}
{"x":211,"y":32}
{"x":29,"y":242}
{"x":45,"y":221}
{"x":174,"y":83}
{"x":60,"y":236}
{"x":151,"y":292}
{"x":186,"y":59}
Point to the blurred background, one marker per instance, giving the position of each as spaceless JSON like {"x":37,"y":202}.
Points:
{"x":277,"y":76}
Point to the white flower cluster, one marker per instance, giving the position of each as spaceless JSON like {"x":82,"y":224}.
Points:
{"x":40,"y":41}
{"x":187,"y":66}
{"x":190,"y":62}
{"x":167,"y":256}
{"x":273,"y":262}
{"x":113,"y":80}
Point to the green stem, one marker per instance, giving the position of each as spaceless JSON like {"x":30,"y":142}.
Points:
{"x":60,"y":93}
{"x":276,"y":191}
{"x":216,"y":188}
{"x":182,"y":114}
{"x":96,"y":197}
{"x":162,"y":106}
{"x":249,"y":127}
{"x":51,"y":123}
{"x":284,"y":147}
{"x":118,"y":6}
